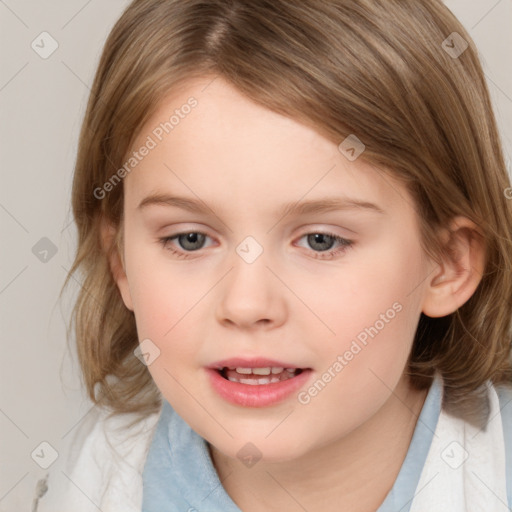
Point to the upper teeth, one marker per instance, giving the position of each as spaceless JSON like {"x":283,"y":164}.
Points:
{"x":261,"y":371}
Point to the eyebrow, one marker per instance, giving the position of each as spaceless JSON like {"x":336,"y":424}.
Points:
{"x":322,"y":205}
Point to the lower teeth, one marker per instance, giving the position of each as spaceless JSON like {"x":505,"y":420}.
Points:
{"x":262,"y":380}
{"x":255,"y":382}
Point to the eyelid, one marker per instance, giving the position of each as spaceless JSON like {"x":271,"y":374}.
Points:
{"x":324,"y":228}
{"x":344,"y":244}
{"x":305,"y":230}
{"x":175,"y":235}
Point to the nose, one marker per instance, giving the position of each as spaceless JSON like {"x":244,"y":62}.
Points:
{"x":251,"y":296}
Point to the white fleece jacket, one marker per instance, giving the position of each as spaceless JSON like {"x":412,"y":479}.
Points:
{"x":101,"y":467}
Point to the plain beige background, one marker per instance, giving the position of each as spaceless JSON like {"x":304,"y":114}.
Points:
{"x":42,"y":101}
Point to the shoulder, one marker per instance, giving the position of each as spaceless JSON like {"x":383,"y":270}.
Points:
{"x":100,"y":465}
{"x":504,"y":392}
{"x":505,"y":395}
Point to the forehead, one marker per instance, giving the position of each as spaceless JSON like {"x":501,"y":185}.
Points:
{"x":209,"y":139}
{"x":221,"y":115}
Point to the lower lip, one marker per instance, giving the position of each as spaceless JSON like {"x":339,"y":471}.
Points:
{"x":260,"y":395}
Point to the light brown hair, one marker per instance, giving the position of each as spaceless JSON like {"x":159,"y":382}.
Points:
{"x":374,"y":68}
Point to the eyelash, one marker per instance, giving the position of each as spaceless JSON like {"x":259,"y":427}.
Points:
{"x":328,"y":254}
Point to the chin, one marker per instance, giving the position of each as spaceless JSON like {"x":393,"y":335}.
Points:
{"x":250,"y":450}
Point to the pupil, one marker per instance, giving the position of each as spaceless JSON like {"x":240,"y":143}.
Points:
{"x":193,"y":239}
{"x":319,"y":238}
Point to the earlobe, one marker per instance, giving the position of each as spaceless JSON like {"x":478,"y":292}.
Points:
{"x":458,"y":275}
{"x":111,"y":247}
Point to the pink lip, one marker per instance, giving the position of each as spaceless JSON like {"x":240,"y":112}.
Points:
{"x":248,"y":395}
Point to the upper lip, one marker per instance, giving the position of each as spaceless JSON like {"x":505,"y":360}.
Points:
{"x":253,"y":362}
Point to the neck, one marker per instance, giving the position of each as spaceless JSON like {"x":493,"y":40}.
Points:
{"x":354,"y":473}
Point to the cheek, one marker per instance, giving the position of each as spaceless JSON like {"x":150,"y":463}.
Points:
{"x":374,"y":316}
{"x":378,"y":282}
{"x":372,"y":310}
{"x":161,"y":294}
{"x":166,"y":308}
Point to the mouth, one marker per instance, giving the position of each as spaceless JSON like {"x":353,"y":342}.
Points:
{"x":258,"y":376}
{"x":256,"y":382}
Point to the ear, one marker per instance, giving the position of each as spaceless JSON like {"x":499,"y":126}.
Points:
{"x":458,"y":275}
{"x":110,"y":238}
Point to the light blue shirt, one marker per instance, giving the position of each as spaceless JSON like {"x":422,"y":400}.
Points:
{"x":179,"y":475}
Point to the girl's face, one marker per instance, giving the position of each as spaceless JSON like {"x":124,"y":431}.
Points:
{"x":298,"y":255}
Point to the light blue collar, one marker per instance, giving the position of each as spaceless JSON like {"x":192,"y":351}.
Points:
{"x":402,"y":493}
{"x":179,"y":475}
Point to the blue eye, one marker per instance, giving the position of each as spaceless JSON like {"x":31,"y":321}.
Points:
{"x":189,"y":242}
{"x":321,"y":243}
